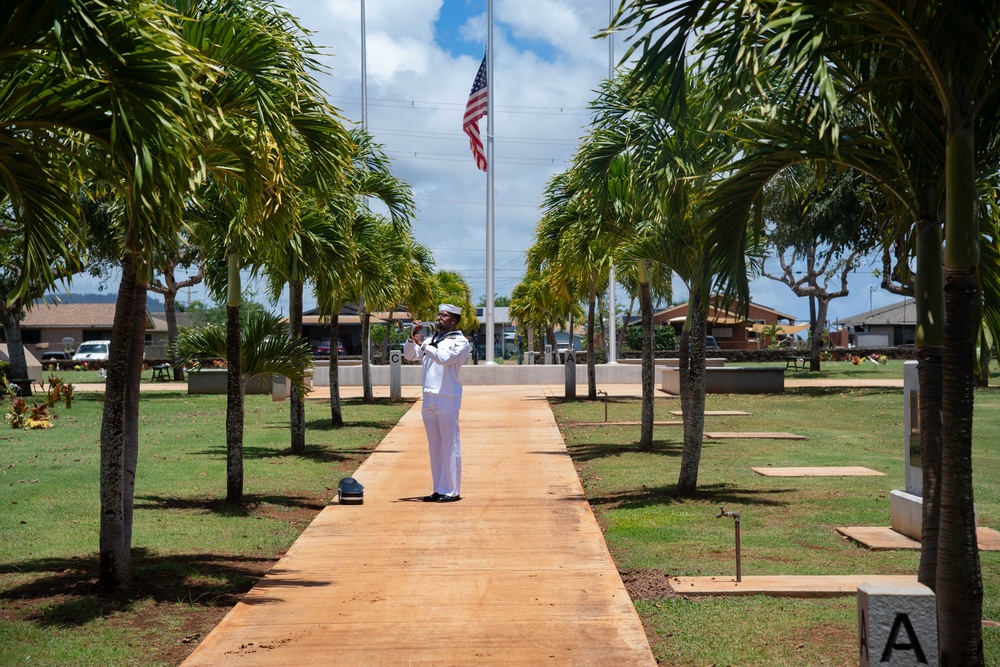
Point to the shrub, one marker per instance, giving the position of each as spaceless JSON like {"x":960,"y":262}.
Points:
{"x":664,"y":337}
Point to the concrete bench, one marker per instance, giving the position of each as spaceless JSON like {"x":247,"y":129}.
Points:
{"x":215,"y":381}
{"x":730,"y":380}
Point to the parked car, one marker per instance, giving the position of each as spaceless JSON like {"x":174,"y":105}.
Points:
{"x":55,"y":355}
{"x":711,"y":344}
{"x":322,"y":349}
{"x":93,"y":350}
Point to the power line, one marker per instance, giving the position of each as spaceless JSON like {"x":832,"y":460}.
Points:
{"x":454,"y":157}
{"x":440,"y":106}
{"x":519,"y":252}
{"x":476,"y":201}
{"x":454,"y":136}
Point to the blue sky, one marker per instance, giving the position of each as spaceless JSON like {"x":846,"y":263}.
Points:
{"x":422,"y":57}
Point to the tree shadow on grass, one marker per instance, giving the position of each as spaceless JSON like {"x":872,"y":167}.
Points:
{"x":315,"y":453}
{"x":713,"y":494}
{"x":842,"y":391}
{"x":63,"y":592}
{"x":611,"y":400}
{"x":250,"y":505}
{"x":324,"y":425}
{"x":599,"y":450}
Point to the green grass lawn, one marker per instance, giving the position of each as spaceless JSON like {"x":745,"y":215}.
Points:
{"x":194,"y":555}
{"x":85,"y":376}
{"x":787,"y":524}
{"x":891,"y":370}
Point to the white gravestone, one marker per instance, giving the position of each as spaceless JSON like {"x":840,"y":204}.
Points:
{"x":906,"y":507}
{"x":395,"y":374}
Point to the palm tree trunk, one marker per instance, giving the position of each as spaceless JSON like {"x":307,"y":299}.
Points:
{"x":605,"y":348}
{"x":366,"y":367}
{"x":648,"y":385}
{"x":569,"y":345}
{"x":336,"y":413}
{"x":694,"y":416}
{"x":959,"y":577}
{"x":591,"y":361}
{"x":684,"y":371}
{"x":115,"y":564}
{"x":386,"y":340}
{"x":929,"y":295}
{"x":133,"y":377}
{"x":297,"y":409}
{"x":234,"y":387}
{"x":624,"y":329}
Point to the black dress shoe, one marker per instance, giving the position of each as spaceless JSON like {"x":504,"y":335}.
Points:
{"x":448,"y":499}
{"x":433,"y":498}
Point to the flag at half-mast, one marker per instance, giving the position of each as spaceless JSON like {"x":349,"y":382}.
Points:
{"x":474,"y":110}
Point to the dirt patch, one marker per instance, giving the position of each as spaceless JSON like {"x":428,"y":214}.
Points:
{"x":648,"y":584}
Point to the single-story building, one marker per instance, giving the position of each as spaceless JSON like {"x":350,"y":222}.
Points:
{"x":63,"y":326}
{"x":894,"y":325}
{"x":731,"y":331}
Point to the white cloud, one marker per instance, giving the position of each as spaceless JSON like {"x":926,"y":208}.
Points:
{"x":546,"y":67}
{"x":417,"y":89}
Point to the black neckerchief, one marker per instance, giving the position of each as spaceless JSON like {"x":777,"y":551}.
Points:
{"x":438,"y":337}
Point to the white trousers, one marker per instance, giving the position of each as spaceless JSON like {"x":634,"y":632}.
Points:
{"x":440,"y":415}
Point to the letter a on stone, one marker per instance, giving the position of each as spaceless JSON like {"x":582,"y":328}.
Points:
{"x":864,"y":655}
{"x":903,"y":621}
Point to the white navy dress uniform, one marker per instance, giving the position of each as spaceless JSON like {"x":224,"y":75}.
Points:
{"x":442,"y":355}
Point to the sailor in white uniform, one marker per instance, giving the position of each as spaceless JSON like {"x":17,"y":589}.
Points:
{"x":443,"y":355}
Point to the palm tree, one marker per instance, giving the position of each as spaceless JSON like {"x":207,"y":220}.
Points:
{"x":659,"y":172}
{"x":383,"y":254}
{"x":934,"y":92}
{"x":570,"y":239}
{"x":451,"y":287}
{"x":318,"y":244}
{"x":528,"y":306}
{"x":96,"y":91}
{"x":272,"y":112}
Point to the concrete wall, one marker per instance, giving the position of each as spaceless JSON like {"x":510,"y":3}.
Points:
{"x":481,"y":374}
{"x":711,"y":362}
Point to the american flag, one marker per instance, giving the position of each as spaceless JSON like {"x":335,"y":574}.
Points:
{"x":474,"y":110}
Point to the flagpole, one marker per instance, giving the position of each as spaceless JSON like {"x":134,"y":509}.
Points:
{"x":612,"y":315}
{"x":364,"y":72}
{"x":490,"y":333}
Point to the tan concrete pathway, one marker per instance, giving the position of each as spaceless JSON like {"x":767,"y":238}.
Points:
{"x":517,"y":572}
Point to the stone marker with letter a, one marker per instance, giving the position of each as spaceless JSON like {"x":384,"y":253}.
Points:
{"x":897,"y":625}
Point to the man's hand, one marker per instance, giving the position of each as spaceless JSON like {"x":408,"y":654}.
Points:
{"x":415,"y":334}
